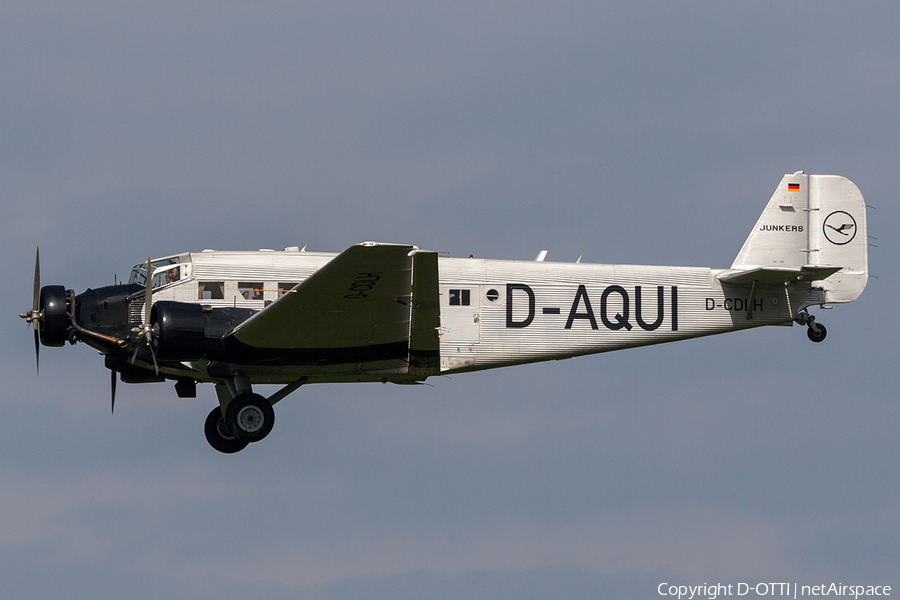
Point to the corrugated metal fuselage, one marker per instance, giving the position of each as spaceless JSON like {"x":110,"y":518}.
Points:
{"x":532,"y":311}
{"x":496,"y":313}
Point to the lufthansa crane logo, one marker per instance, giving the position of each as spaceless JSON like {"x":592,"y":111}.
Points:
{"x":839,"y":228}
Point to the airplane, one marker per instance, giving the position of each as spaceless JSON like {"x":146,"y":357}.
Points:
{"x":380,"y":312}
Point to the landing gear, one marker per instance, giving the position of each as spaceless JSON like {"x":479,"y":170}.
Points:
{"x":219,"y":435}
{"x":815,"y":331}
{"x":250,"y":417}
{"x":247,"y":417}
{"x":816,"y":336}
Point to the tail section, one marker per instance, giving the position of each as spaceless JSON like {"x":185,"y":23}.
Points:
{"x":837,"y":224}
{"x":815,"y":224}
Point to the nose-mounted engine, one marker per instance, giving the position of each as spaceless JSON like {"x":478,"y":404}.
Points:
{"x":52,"y":320}
{"x":122,"y":322}
{"x":103,"y":318}
{"x":51,"y":312}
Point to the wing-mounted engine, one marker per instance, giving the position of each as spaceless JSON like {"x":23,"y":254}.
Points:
{"x":181,"y":333}
{"x":190,"y":331}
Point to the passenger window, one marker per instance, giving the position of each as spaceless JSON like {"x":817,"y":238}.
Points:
{"x":285,"y":287}
{"x":460,"y":298}
{"x":211,"y":290}
{"x":251,"y":290}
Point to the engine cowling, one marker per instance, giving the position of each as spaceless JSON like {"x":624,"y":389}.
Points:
{"x":181,"y":333}
{"x":54,"y":325}
{"x":190,"y":331}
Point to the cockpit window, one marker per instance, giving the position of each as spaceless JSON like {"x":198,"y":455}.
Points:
{"x":139,"y":271}
{"x":166,"y":275}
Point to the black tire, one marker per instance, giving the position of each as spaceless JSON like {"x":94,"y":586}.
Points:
{"x":54,"y":325}
{"x":218,"y":436}
{"x":250,"y":417}
{"x":816,"y":337}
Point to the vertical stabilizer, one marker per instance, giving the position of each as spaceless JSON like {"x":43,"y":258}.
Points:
{"x":813,"y":220}
{"x":779,"y":238}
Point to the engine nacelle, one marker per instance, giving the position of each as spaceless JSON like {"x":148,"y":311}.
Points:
{"x":189,"y":331}
{"x":182,"y":330}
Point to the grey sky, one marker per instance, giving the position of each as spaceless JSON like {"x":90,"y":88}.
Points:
{"x":632,"y":132}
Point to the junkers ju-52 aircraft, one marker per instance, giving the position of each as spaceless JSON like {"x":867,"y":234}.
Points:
{"x":394,"y":313}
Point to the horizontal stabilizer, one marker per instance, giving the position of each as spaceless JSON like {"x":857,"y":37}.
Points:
{"x":770,"y":275}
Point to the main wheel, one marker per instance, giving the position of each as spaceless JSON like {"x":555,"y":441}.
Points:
{"x":219,"y":436}
{"x":250,"y":417}
{"x":816,"y":337}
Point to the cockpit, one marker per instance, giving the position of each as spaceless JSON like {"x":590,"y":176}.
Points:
{"x":165,"y":271}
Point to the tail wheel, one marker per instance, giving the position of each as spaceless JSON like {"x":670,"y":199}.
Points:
{"x":816,"y":336}
{"x":219,"y":435}
{"x":250,"y":417}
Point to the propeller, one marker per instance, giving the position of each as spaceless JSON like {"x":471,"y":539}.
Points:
{"x":34,"y":316}
{"x":34,"y":308}
{"x":145,"y":331}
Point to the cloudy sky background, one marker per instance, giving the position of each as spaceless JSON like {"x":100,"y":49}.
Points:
{"x":648,"y":133}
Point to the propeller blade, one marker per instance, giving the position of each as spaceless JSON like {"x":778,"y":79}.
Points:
{"x":37,"y":283}
{"x":148,"y":307}
{"x":34,"y":308}
{"x":37,"y":351}
{"x":148,"y":293}
{"x":112,"y":387}
{"x":155,"y":364}
{"x":145,"y":332}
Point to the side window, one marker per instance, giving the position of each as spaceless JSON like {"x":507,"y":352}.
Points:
{"x":173,"y":274}
{"x":251,"y":290}
{"x":170,"y":275}
{"x":211,"y":290}
{"x":285,"y":286}
{"x":460,"y":298}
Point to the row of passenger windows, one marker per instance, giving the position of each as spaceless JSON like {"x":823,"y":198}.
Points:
{"x":250,"y":290}
{"x":253,"y":290}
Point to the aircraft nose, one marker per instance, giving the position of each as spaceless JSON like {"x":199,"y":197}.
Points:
{"x":106,"y":310}
{"x":54,"y":315}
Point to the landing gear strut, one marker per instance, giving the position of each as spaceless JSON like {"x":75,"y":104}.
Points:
{"x":815,"y":332}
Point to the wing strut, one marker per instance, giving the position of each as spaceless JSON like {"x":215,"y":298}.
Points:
{"x":289,"y":388}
